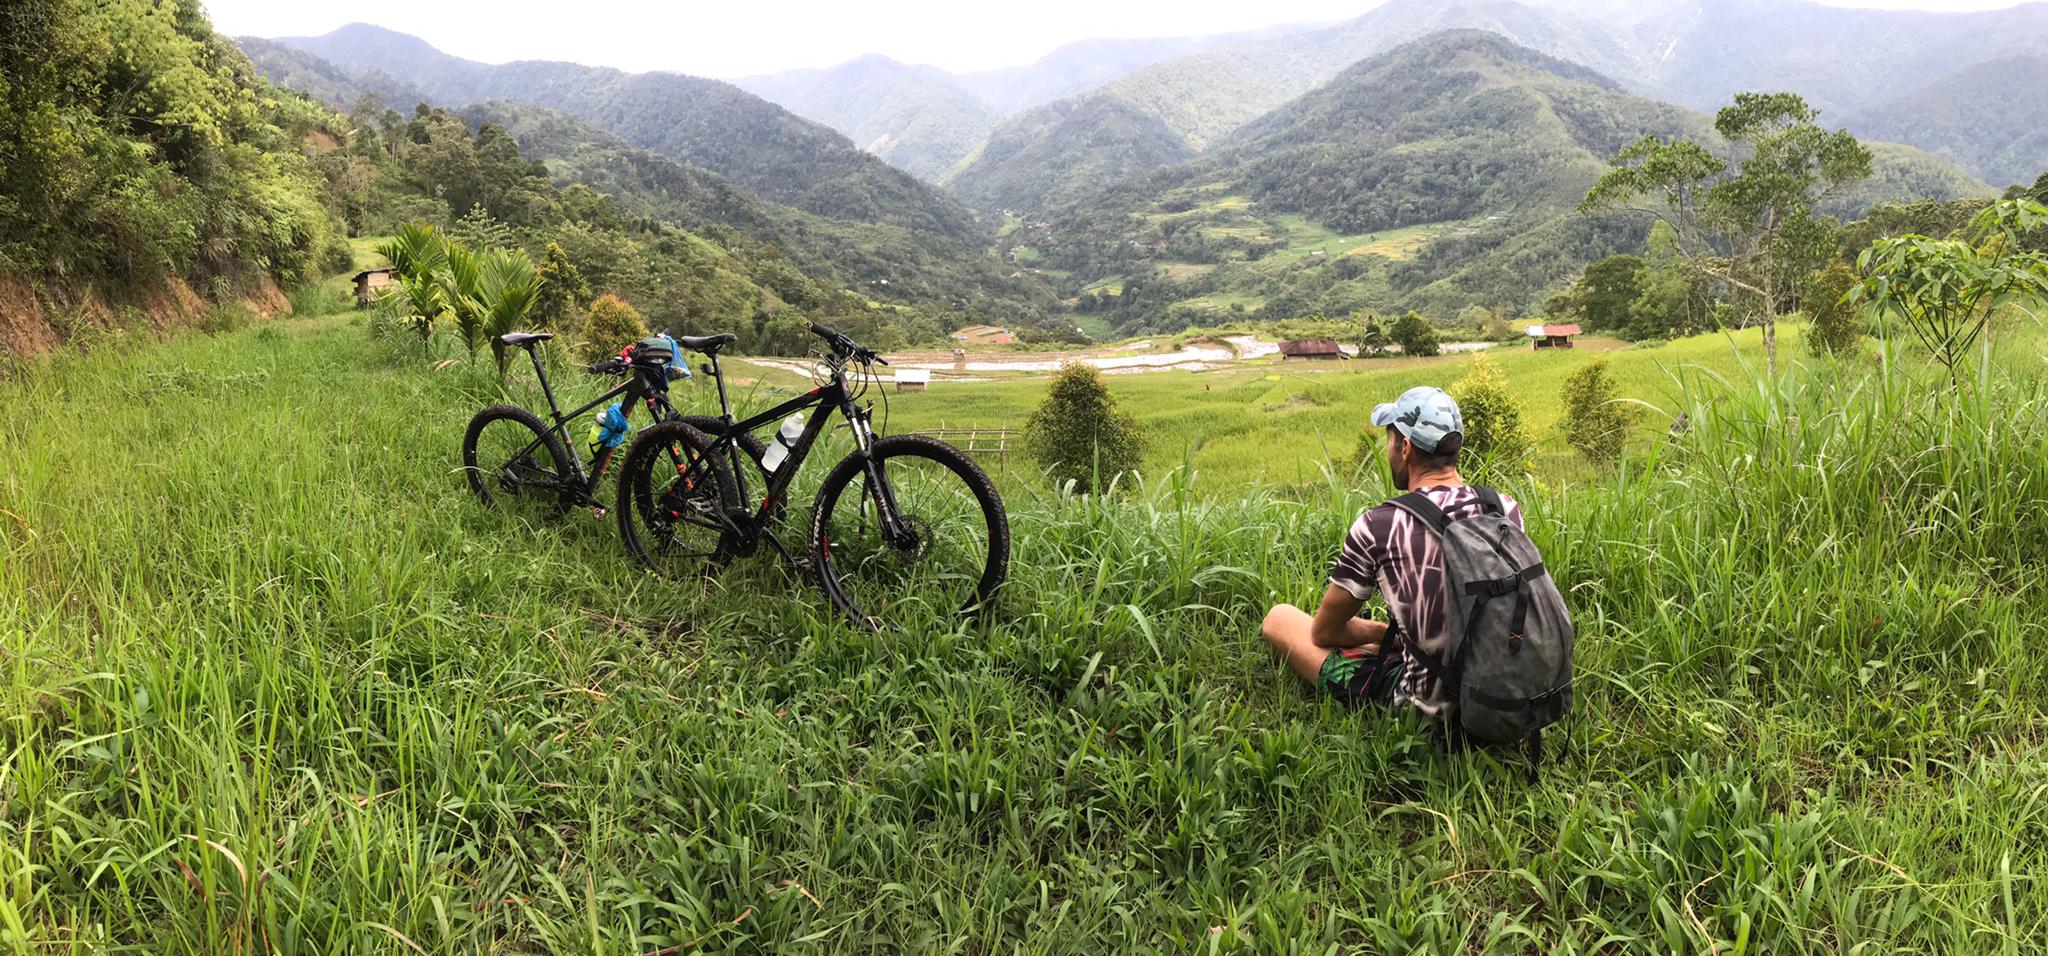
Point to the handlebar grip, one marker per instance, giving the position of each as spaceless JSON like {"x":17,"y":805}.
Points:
{"x":825,"y":332}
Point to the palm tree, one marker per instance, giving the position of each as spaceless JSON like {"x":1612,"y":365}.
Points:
{"x":509,"y":288}
{"x":462,"y":283}
{"x":418,"y":254}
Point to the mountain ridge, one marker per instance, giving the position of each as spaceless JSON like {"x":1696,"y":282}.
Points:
{"x":708,"y":123}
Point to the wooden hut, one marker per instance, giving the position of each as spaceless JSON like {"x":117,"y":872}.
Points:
{"x":1303,"y":350}
{"x":370,"y":282}
{"x":1551,"y":336}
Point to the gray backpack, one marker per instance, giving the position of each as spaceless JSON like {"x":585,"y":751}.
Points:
{"x":1507,"y":662}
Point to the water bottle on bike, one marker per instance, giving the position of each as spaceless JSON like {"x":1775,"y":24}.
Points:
{"x":785,"y":440}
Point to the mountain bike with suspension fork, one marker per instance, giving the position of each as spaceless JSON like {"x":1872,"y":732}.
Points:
{"x":517,"y":462}
{"x":903,"y":526}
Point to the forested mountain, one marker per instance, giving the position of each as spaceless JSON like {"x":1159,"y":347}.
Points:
{"x":889,"y":260}
{"x":1991,"y":118}
{"x":1442,"y":174}
{"x":918,"y":118}
{"x":707,"y":123}
{"x":1063,"y":151}
{"x":1695,"y":54}
{"x":886,"y":262}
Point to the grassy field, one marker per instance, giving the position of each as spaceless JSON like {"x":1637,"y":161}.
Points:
{"x":275,"y":684}
{"x":1275,"y":423}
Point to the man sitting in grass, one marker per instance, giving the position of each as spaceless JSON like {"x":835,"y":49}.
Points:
{"x":1357,"y":660}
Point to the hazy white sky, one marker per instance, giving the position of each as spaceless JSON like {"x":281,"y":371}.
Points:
{"x":727,"y":38}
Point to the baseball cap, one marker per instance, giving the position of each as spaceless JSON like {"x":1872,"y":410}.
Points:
{"x":1423,"y":415}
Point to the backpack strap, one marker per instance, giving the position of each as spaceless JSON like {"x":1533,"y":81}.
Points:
{"x":1418,"y":504}
{"x":1490,"y":500}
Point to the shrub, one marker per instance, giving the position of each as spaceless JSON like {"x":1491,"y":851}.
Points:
{"x":1836,"y":327}
{"x":610,"y":325}
{"x":1414,"y":335}
{"x":1595,"y":422}
{"x":1497,"y":443}
{"x":1078,"y":433}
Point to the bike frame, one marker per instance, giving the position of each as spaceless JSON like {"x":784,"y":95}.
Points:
{"x":633,"y":387}
{"x":826,"y":399}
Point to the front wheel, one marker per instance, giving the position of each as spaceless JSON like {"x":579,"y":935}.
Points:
{"x":943,"y":563}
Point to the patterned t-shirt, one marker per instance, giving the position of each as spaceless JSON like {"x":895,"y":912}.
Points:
{"x":1393,"y":552}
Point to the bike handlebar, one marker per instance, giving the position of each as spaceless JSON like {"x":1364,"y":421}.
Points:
{"x":845,"y":347}
{"x":610,"y":366}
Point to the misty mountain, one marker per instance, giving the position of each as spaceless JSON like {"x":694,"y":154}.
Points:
{"x":1086,"y":64}
{"x":923,"y":120}
{"x":1992,"y":118}
{"x":919,"y":119}
{"x":1695,"y":54}
{"x":1443,"y":173}
{"x":707,"y":123}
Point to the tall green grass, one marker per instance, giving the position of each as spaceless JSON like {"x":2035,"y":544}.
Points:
{"x":275,"y":684}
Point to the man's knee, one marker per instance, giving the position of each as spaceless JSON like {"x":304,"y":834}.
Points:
{"x":1280,"y":622}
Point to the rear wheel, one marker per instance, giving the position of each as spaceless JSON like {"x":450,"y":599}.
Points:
{"x":951,"y":555}
{"x":675,"y":502}
{"x":751,"y":449}
{"x":515,"y":463}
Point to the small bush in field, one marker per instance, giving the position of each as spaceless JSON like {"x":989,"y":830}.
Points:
{"x":1595,"y":421}
{"x":1078,"y":433}
{"x":1497,"y":443}
{"x":610,"y":325}
{"x":1836,"y":325}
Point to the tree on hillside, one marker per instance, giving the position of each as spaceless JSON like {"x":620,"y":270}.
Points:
{"x":1670,"y":302}
{"x":1607,"y":294}
{"x":1754,"y":228}
{"x":1079,"y":435}
{"x":1414,"y":335}
{"x":1947,"y":290}
{"x":1372,"y":338}
{"x":562,"y":290}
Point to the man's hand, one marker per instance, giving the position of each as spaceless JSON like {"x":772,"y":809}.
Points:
{"x":1337,"y":623}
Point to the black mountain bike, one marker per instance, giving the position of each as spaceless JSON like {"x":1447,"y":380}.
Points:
{"x":902,"y":523}
{"x":517,"y":462}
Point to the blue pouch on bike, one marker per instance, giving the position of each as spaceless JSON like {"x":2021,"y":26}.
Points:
{"x":612,"y":426}
{"x":681,"y":369}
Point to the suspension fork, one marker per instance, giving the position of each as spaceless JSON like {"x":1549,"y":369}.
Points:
{"x":891,"y":514}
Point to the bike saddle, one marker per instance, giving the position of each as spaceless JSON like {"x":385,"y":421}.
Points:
{"x":524,"y":338}
{"x":706,"y":344}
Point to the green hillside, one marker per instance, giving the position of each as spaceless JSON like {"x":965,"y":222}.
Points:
{"x":886,"y":262}
{"x":1063,"y":152}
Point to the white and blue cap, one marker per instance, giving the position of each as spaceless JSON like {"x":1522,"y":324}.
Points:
{"x":1424,"y":415}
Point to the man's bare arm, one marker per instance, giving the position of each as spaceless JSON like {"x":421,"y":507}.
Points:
{"x":1337,"y":623}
